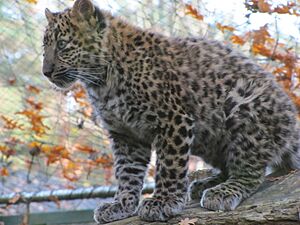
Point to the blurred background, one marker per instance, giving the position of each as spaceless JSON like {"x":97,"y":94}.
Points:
{"x":48,"y":139}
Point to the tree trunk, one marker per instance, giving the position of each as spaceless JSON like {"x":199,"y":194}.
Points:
{"x":276,"y":202}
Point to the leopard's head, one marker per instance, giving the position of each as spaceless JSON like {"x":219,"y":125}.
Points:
{"x":72,"y":44}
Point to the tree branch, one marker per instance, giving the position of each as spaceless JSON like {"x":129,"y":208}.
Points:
{"x":276,"y":202}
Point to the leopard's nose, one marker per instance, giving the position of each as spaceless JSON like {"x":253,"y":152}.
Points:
{"x":48,"y":70}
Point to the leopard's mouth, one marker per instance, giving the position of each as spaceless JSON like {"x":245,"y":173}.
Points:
{"x":62,"y":79}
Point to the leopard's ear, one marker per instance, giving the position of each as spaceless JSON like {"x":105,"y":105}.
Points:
{"x":83,"y":9}
{"x":49,"y":15}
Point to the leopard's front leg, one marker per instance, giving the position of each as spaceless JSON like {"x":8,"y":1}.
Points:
{"x":172,"y":146}
{"x":131,"y":160}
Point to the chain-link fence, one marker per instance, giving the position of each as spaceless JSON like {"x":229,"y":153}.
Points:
{"x":48,"y":138}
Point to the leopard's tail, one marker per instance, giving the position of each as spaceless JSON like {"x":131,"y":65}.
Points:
{"x":295,"y":159}
{"x":295,"y":151}
{"x":290,"y":159}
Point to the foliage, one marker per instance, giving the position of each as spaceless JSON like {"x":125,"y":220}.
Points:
{"x":280,"y":57}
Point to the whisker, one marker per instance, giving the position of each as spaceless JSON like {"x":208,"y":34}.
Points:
{"x":91,"y":75}
{"x":86,"y":79}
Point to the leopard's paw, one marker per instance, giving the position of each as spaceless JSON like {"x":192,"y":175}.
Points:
{"x":155,"y":209}
{"x":109,"y":212}
{"x":197,"y":188}
{"x":220,"y":198}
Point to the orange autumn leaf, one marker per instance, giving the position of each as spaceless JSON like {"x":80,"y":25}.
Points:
{"x":13,"y":141}
{"x":4,"y":172}
{"x":36,"y":121}
{"x":84,"y":148}
{"x":223,"y":28}
{"x":296,"y":100}
{"x":279,"y":70}
{"x":263,"y":6}
{"x":190,"y":10}
{"x":285,"y":83}
{"x":105,"y":160}
{"x":87,"y":112}
{"x":32,"y":1}
{"x":237,"y":40}
{"x":15,"y":198}
{"x":3,"y":148}
{"x":39,"y":130}
{"x":70,"y":177}
{"x":35,"y":144}
{"x":283,"y":9}
{"x":33,"y":89}
{"x":297,"y":70}
{"x":290,"y":8}
{"x":289,"y":59}
{"x":36,"y":105}
{"x":34,"y":148}
{"x":11,"y":124}
{"x":52,"y":153}
{"x":71,"y":170}
{"x":69,"y":186}
{"x":262,"y":35}
{"x":55,"y":153}
{"x":261,"y":49}
{"x":55,"y":200}
{"x":7,"y":151}
{"x":80,"y":96}
{"x":12,"y":81}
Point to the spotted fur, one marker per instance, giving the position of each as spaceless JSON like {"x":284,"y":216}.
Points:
{"x":176,"y":97}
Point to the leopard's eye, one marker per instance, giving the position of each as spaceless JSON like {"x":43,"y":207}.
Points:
{"x":61,"y":44}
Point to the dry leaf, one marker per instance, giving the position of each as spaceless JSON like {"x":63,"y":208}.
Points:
{"x":32,"y":1}
{"x":12,"y":80}
{"x":11,"y":124}
{"x":14,"y":199}
{"x":36,"y":121}
{"x":84,"y":148}
{"x":36,"y":105}
{"x":33,"y":89}
{"x":224,"y":27}
{"x":55,"y":200}
{"x":263,"y":6}
{"x":188,"y":221}
{"x":105,"y":159}
{"x":4,"y":172}
{"x":287,"y":9}
{"x":262,"y":35}
{"x":190,"y":10}
{"x":237,"y":40}
{"x":261,"y":49}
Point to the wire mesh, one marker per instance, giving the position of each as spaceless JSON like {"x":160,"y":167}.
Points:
{"x":65,"y":117}
{"x":33,"y":113}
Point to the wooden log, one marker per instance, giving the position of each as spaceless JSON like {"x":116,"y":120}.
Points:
{"x":276,"y":202}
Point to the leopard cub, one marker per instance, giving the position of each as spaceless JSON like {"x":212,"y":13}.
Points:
{"x":174,"y":96}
